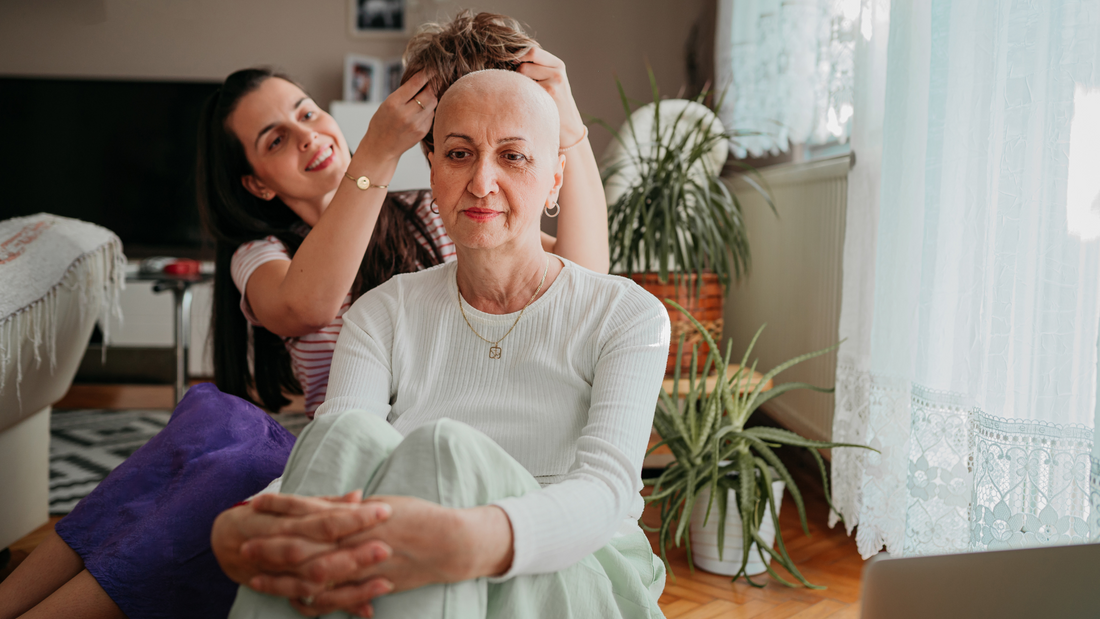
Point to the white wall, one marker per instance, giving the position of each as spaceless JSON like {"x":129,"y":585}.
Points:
{"x":208,"y":39}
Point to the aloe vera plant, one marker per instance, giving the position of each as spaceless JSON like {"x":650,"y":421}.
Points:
{"x":708,"y":438}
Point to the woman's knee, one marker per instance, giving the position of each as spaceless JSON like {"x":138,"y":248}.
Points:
{"x":353,"y":427}
{"x":452,"y":442}
{"x":469,"y":468}
{"x":338,"y":452}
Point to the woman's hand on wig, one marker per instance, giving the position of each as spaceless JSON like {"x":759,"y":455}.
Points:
{"x":549,"y":71}
{"x":402,"y":120}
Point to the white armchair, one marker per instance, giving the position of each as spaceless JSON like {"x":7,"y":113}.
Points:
{"x":58,"y":276}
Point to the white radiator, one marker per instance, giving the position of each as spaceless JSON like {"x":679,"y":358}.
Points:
{"x":794,"y":285}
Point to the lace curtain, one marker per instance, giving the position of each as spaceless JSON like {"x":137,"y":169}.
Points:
{"x":787,"y":65}
{"x":971,"y":295}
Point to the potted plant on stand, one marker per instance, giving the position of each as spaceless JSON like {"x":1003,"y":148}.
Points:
{"x":719,"y":460}
{"x":674,"y":226}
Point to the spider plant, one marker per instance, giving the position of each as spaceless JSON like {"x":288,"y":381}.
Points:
{"x":676,"y":215}
{"x":713,"y":449}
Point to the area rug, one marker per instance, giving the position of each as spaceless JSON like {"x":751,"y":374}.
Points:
{"x":87,"y":444}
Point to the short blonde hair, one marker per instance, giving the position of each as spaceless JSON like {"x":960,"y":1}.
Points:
{"x":468,"y":43}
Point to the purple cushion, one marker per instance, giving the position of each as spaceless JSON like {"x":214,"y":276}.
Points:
{"x":144,"y":532}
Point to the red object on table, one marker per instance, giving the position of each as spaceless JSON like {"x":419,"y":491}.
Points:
{"x":182,"y":266}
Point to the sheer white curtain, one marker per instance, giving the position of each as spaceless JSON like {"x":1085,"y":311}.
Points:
{"x":971,"y":294}
{"x":787,"y":65}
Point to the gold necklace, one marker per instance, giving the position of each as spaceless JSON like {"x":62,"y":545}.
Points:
{"x":494,"y":347}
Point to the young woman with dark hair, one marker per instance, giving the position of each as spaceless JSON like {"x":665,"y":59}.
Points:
{"x":269,"y":160}
{"x":303,"y":227}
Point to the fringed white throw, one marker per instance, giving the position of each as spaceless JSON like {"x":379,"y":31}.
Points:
{"x":39,"y":254}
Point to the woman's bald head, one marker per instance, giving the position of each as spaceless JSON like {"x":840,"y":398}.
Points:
{"x":500,"y":93}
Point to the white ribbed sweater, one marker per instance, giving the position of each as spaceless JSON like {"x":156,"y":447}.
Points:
{"x":571,"y":398}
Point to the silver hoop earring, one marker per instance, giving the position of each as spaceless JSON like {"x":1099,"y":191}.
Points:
{"x":556,"y":209}
{"x":433,"y":207}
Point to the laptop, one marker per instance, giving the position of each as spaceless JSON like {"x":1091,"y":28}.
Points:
{"x":1058,"y":582}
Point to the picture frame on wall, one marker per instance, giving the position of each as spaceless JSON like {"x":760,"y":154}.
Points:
{"x":394,"y":69}
{"x":368,"y":18}
{"x":365,"y":79}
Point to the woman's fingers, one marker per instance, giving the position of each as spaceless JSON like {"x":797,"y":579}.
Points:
{"x":540,"y":57}
{"x":417,"y":92}
{"x":425,"y":102}
{"x":411,"y":88}
{"x":285,"y":586}
{"x":403,"y":119}
{"x":350,"y":564}
{"x":336,"y":523}
{"x":351,"y":597}
{"x":355,"y":496}
{"x":296,"y":505}
{"x":283,"y":554}
{"x":320,"y":519}
{"x":549,"y":72}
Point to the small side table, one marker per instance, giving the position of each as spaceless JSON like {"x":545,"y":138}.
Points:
{"x":713,"y":380}
{"x":180,"y":285}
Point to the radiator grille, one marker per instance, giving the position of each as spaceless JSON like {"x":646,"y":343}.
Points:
{"x":794,"y":285}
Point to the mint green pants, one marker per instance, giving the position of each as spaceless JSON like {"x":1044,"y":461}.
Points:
{"x":452,"y":464}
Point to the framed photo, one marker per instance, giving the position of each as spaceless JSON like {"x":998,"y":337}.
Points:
{"x":364,"y":79}
{"x":378,"y":17}
{"x":394,"y":70}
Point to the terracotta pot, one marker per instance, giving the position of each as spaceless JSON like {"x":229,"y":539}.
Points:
{"x":706,"y":307}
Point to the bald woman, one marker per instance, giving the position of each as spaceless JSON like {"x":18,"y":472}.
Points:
{"x":494,"y":411}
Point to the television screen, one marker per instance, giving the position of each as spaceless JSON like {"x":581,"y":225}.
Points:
{"x":120,"y":154}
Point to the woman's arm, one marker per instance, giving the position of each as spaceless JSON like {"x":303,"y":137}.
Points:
{"x":568,"y":520}
{"x":296,"y":297}
{"x":582,"y":224}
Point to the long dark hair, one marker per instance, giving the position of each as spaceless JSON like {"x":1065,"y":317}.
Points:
{"x":234,"y":216}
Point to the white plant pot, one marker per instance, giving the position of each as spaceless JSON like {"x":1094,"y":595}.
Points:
{"x":704,"y":539}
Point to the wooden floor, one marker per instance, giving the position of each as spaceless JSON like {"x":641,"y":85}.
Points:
{"x":828,"y":557}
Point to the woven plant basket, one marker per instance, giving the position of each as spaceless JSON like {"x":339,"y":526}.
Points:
{"x":706,"y":306}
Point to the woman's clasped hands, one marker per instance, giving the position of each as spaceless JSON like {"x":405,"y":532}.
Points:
{"x":339,"y":553}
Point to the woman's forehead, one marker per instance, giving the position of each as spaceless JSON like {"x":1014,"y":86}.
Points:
{"x":477,"y":124}
{"x":496,"y":110}
{"x":271,"y":100}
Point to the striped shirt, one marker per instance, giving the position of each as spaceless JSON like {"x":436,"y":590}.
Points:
{"x":311,"y":354}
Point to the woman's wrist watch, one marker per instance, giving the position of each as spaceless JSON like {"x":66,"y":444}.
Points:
{"x":363,"y":182}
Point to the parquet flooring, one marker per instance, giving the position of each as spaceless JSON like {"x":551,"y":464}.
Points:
{"x":827,"y":557}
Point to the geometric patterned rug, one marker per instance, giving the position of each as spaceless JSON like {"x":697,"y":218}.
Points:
{"x":86,"y":445}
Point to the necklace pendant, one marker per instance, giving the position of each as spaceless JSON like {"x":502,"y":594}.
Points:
{"x":494,"y":352}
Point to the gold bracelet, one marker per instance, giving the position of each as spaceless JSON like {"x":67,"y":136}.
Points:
{"x":363,"y":182}
{"x":562,"y":150}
